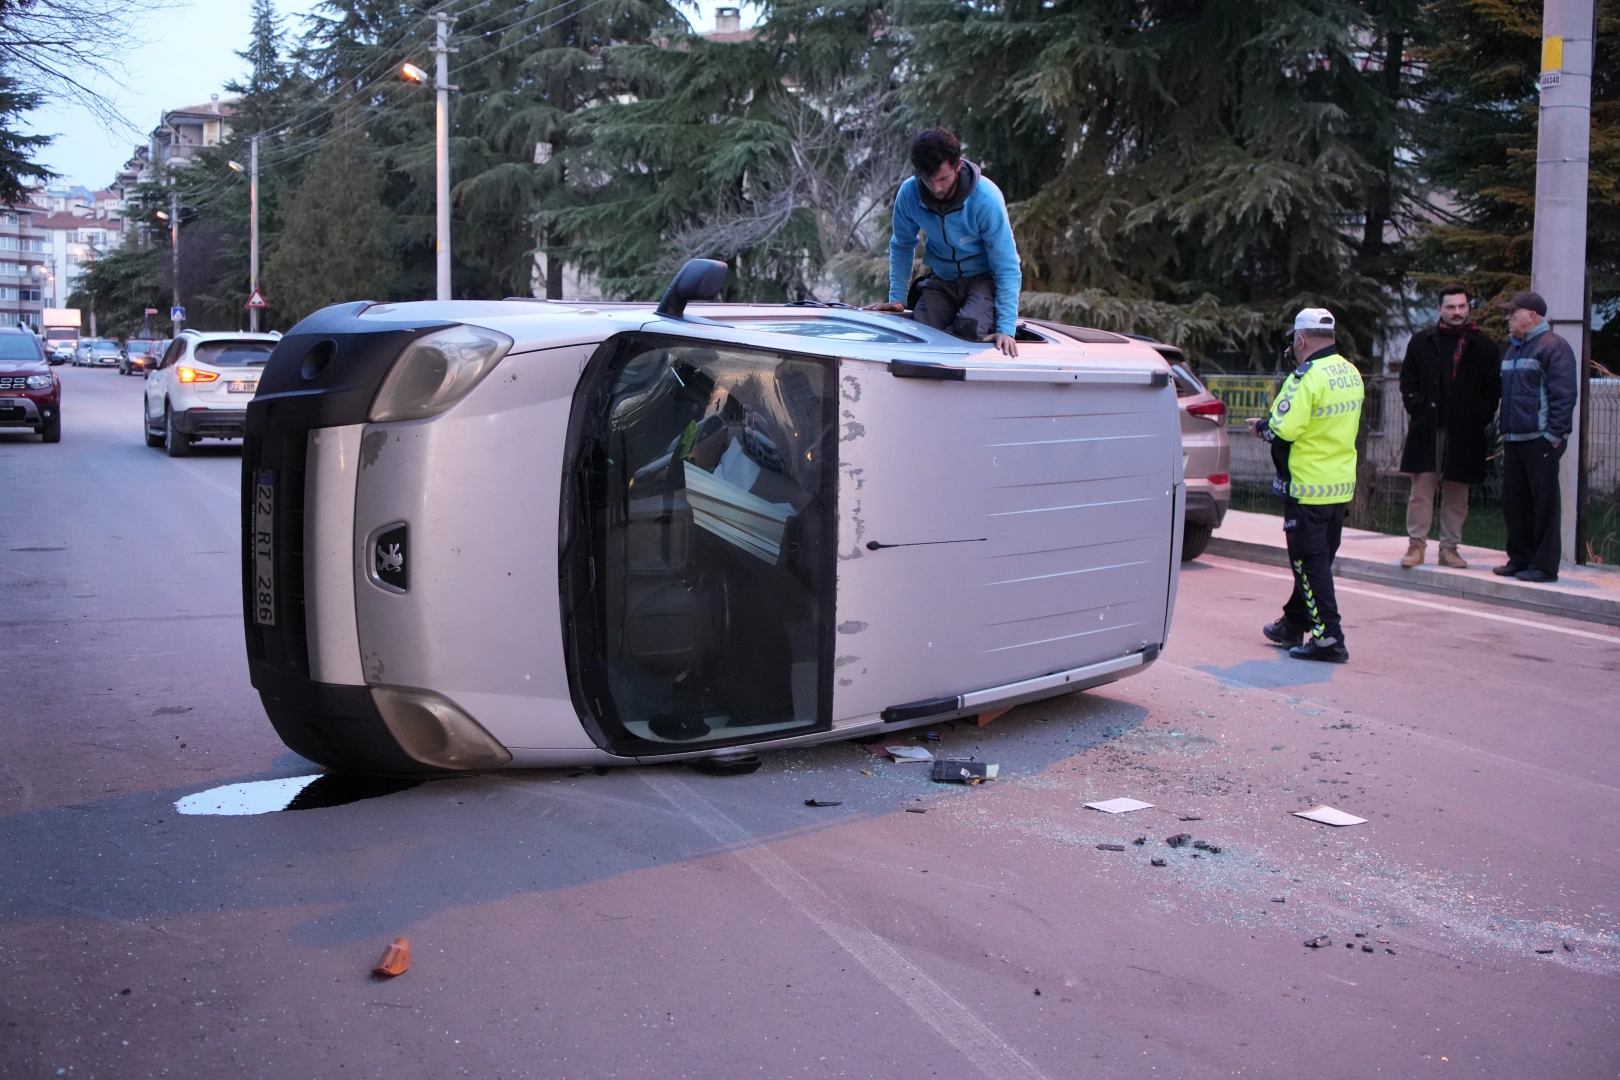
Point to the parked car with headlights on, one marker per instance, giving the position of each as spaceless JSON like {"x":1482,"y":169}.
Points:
{"x":30,"y":393}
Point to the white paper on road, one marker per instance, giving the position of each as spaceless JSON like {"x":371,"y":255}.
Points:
{"x":254,"y":797}
{"x":1327,"y":815}
{"x":1119,"y":806}
{"x":909,"y":753}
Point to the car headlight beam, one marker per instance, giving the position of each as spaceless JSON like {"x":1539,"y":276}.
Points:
{"x":437,"y":370}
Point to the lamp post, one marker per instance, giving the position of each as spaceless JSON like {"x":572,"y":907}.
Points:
{"x":253,"y":229}
{"x":172,"y":216}
{"x":441,"y":143}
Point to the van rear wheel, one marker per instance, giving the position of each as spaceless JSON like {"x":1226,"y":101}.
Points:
{"x":1195,"y":540}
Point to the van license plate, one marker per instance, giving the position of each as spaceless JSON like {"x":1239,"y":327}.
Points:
{"x":242,"y":386}
{"x":264,"y":565}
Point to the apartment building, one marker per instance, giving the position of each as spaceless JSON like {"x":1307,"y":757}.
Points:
{"x":23,"y":271}
{"x":182,"y":132}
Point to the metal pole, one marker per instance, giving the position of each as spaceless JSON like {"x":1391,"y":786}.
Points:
{"x":174,"y":253}
{"x":253,"y":230}
{"x":1558,"y":254}
{"x":441,"y":84}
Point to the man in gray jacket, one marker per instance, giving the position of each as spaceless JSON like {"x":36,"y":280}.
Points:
{"x":1539,"y":388}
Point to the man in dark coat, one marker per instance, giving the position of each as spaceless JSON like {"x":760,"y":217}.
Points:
{"x":1451,"y":381}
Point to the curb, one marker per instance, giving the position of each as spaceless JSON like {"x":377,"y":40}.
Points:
{"x":1457,"y":584}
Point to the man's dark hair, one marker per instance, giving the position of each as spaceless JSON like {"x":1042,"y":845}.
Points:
{"x":935,"y":147}
{"x":1452,"y":288}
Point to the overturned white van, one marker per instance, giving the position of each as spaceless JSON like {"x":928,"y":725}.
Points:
{"x":525,"y":533}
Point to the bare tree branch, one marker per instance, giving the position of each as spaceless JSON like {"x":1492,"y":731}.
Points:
{"x":48,"y":46}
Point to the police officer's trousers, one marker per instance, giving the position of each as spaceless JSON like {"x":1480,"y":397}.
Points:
{"x":1313,"y":540}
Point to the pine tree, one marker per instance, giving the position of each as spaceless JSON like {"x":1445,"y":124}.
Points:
{"x":17,"y":150}
{"x":337,"y":244}
{"x":1481,"y":89}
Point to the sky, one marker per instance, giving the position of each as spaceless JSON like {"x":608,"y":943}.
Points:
{"x":190,"y":53}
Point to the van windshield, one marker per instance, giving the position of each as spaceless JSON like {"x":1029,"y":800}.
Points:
{"x":234,"y":353}
{"x":701,"y":545}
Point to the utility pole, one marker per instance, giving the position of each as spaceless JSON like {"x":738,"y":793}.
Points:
{"x":253,"y":230}
{"x":1558,"y":254}
{"x":441,"y":84}
{"x":174,"y":252}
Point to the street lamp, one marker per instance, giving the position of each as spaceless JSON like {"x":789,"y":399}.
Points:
{"x":253,"y":230}
{"x":441,"y":141}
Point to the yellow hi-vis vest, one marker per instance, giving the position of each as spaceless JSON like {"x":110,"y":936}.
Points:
{"x":1318,"y":410}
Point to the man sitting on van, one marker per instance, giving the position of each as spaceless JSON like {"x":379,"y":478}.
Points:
{"x":972,"y":261}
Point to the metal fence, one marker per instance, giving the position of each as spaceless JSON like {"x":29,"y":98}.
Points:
{"x":1382,"y":488}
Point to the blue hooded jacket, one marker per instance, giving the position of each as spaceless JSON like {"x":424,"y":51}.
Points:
{"x":965,"y":237}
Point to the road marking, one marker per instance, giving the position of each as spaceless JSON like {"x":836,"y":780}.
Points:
{"x":210,"y":481}
{"x":1593,"y":786}
{"x":1607,"y":638}
{"x":933,"y":1004}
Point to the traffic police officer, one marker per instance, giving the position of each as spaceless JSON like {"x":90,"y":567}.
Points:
{"x":1312,"y":432}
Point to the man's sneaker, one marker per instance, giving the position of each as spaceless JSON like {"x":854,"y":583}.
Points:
{"x":1314,"y":649}
{"x":1538,"y":577}
{"x":1283,"y":633}
{"x":1450,"y":556}
{"x":1414,"y":554}
{"x":1507,"y":569}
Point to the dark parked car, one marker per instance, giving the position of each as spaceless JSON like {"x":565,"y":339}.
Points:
{"x":140,"y":356}
{"x":30,"y":395}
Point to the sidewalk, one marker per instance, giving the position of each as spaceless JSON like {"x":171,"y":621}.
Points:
{"x":1591,"y":593}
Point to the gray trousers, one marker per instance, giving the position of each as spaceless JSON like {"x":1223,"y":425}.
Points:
{"x":965,"y":307}
{"x":1453,"y":502}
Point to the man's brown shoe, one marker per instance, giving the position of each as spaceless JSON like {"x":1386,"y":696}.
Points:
{"x":1414,"y":554}
{"x":1449,"y":556}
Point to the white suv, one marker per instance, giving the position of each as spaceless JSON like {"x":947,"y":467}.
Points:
{"x":201,"y":388}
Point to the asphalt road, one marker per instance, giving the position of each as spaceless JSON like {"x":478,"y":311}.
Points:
{"x":660,"y":923}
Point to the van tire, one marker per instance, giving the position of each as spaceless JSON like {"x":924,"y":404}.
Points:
{"x":1195,"y":540}
{"x":175,"y":444}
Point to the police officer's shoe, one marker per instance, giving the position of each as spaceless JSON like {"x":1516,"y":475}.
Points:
{"x":1284,"y":633}
{"x":1507,"y":569}
{"x":1315,"y":649}
{"x":1540,"y":577}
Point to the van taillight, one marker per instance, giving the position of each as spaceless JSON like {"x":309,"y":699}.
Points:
{"x":1213,"y":411}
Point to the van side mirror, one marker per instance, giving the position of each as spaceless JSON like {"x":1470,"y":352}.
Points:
{"x":699,"y":279}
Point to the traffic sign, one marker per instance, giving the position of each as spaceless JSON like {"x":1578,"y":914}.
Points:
{"x":178,"y":314}
{"x":151,"y":311}
{"x":257,"y":300}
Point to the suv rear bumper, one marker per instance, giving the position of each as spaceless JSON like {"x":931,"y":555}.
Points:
{"x":212,"y":423}
{"x":1207,"y":503}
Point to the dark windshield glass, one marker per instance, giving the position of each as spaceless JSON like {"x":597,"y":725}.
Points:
{"x":234,"y":353}
{"x":104,"y":346}
{"x":19,"y":347}
{"x":140,"y":348}
{"x":702,"y":545}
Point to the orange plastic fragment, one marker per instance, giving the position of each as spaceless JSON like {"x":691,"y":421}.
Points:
{"x":395,"y":959}
{"x":994,"y":714}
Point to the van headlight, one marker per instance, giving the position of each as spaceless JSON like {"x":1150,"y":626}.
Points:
{"x":437,"y":370}
{"x":431,"y":729}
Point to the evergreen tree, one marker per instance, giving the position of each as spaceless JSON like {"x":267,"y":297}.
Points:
{"x":1481,"y":89}
{"x":17,"y":164}
{"x":337,"y":243}
{"x":121,"y":285}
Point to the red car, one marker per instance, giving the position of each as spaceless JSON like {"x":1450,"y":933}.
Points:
{"x":30,"y":395}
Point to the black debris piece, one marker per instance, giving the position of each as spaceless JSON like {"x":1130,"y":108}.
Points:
{"x":1360,"y":934}
{"x":1193,"y":818}
{"x":1161,"y":862}
{"x":1366,"y":948}
{"x":824,"y":802}
{"x":1178,"y":839}
{"x":960,"y":772}
{"x":1319,"y":942}
{"x":1139,"y":841}
{"x":915,"y":810}
{"x":1544,"y":952}
{"x":1197,"y":855}
{"x":1205,"y":845}
{"x":1037,"y":993}
{"x":1110,"y":847}
{"x":1568,"y":947}
{"x":1390,"y":951}
{"x":1279,"y":899}
{"x":1349,"y":944}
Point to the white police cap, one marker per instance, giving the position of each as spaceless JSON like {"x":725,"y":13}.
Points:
{"x":1314,"y":318}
